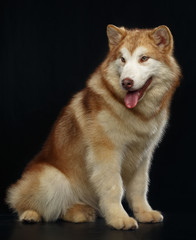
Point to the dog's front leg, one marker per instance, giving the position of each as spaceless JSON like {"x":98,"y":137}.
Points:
{"x":136,"y":192}
{"x":105,"y":167}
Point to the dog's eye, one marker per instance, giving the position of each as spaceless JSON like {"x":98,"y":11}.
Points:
{"x":123,"y":60}
{"x":144,"y":59}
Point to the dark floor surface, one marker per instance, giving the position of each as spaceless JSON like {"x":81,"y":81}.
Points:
{"x":180,"y":226}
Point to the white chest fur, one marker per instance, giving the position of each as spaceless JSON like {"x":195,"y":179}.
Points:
{"x":134,"y":138}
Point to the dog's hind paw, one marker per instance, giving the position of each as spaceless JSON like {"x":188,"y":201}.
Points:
{"x":30,"y":216}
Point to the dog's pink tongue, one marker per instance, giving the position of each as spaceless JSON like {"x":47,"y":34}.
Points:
{"x":132,"y":99}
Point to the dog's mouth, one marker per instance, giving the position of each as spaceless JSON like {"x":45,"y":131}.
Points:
{"x":132,"y":97}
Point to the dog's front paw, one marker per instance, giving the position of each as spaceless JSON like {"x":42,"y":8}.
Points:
{"x":124,"y":223}
{"x":149,"y":216}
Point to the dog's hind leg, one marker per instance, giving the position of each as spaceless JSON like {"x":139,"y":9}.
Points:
{"x":42,"y":193}
{"x":79,"y":213}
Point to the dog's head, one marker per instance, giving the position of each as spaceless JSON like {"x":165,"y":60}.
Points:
{"x":142,"y":59}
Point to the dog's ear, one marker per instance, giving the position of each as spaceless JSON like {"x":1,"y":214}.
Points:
{"x":163,"y":38}
{"x":115,"y":35}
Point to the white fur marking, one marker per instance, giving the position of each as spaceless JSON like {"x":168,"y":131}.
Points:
{"x":138,"y":72}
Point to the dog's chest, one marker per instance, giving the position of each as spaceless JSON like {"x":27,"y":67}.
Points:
{"x":129,"y":130}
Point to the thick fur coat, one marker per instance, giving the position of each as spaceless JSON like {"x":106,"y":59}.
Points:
{"x":101,"y":146}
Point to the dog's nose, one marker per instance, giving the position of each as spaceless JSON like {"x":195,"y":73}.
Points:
{"x":127,"y":83}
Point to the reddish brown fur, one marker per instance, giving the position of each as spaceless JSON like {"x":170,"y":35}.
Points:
{"x":78,"y":128}
{"x":58,"y":146}
{"x":132,"y":39}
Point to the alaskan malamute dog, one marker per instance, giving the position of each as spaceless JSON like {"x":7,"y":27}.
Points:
{"x":101,"y":145}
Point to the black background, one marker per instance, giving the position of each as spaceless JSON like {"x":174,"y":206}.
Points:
{"x":47,"y":51}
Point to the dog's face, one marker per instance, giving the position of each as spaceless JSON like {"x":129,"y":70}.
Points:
{"x":139,"y":57}
{"x":138,"y":67}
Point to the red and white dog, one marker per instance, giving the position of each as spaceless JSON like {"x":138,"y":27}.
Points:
{"x":101,"y":145}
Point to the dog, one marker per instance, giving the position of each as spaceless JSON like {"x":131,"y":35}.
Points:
{"x":100,"y":147}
